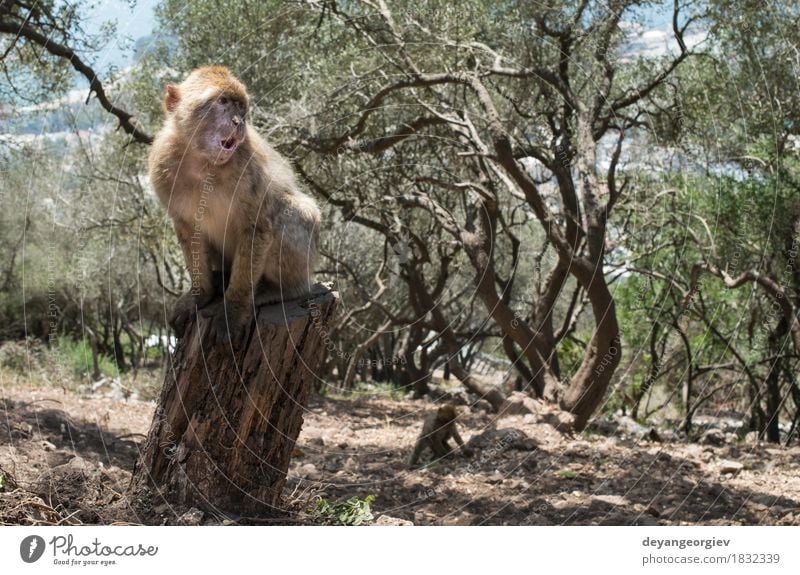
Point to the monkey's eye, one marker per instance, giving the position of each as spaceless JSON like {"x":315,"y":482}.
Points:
{"x":223,"y":100}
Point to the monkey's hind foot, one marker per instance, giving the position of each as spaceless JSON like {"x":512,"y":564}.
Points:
{"x":229,"y":322}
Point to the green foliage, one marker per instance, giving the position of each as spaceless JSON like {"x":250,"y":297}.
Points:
{"x":7,"y":481}
{"x":77,"y":355}
{"x":353,"y":511}
{"x":570,"y":354}
{"x":154,"y":353}
{"x":378,"y":389}
{"x":15,"y":356}
{"x":600,"y":462}
{"x":567,"y":474}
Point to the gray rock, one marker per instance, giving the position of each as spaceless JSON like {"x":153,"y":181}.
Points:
{"x":560,"y":420}
{"x":726,"y":466}
{"x":501,"y":440}
{"x":536,"y":519}
{"x":309,"y":471}
{"x":615,"y":500}
{"x":192,"y":517}
{"x":630,"y":426}
{"x":57,"y":458}
{"x":482,"y":406}
{"x":713,"y":437}
{"x":393,"y":521}
{"x":647,"y":520}
{"x":751,"y":438}
{"x":519,"y":404}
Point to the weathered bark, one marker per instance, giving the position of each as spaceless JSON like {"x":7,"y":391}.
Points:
{"x":227,"y":419}
{"x":601,"y":357}
{"x":777,"y":342}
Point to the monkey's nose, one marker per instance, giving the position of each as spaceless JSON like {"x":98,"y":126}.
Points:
{"x":236,"y":120}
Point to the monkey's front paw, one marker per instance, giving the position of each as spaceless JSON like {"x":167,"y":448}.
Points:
{"x":179,"y":320}
{"x":202,"y":298}
{"x":228,"y":323}
{"x":182,"y":314}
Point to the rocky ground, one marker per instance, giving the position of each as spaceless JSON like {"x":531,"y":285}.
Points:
{"x":67,"y":459}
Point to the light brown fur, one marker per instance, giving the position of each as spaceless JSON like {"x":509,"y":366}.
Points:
{"x":234,"y":201}
{"x":437,"y":430}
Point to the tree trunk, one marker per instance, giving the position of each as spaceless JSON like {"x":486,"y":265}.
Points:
{"x":777,"y":343}
{"x":227,"y":420}
{"x":588,"y":386}
{"x":355,"y":358}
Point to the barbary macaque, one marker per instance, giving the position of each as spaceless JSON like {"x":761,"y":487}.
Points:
{"x":244,"y":225}
{"x":437,"y":430}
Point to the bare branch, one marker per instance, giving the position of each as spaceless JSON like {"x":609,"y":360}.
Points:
{"x":95,"y":85}
{"x":637,"y":94}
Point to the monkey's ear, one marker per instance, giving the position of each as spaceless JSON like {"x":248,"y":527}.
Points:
{"x":171,"y":98}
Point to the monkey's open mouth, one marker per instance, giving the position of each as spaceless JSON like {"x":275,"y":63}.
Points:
{"x":230,"y":144}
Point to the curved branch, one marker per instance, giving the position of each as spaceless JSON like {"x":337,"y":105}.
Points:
{"x":635,"y":95}
{"x":769,"y":285}
{"x":95,"y":85}
{"x":378,"y":145}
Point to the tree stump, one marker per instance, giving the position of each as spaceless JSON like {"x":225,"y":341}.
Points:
{"x":227,"y":419}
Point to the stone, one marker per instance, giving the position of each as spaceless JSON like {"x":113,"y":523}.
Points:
{"x":497,"y":441}
{"x":562,"y":421}
{"x":751,"y":438}
{"x":726,"y":466}
{"x":192,"y":517}
{"x":647,"y":521}
{"x":56,"y":458}
{"x":461,"y":519}
{"x":309,"y":471}
{"x":392,"y":521}
{"x":713,"y":437}
{"x":616,"y":500}
{"x":536,"y":519}
{"x":630,"y":426}
{"x":519,"y":403}
{"x":482,"y":406}
{"x":494,"y":479}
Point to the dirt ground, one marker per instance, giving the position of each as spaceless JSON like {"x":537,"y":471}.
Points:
{"x":66,"y":459}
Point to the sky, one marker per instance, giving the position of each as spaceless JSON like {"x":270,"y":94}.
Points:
{"x":132,"y":23}
{"x":139,"y":21}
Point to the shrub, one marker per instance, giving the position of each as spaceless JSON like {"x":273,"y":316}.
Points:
{"x":353,"y":511}
{"x":78,"y":357}
{"x":21,"y":356}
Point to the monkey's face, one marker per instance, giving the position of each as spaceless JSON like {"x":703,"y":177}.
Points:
{"x":221,"y":126}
